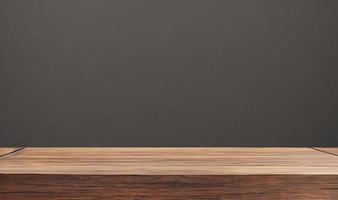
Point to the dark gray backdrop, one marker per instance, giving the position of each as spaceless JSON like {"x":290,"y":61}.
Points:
{"x":168,"y":72}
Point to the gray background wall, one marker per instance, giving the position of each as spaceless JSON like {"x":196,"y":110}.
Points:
{"x":168,"y":73}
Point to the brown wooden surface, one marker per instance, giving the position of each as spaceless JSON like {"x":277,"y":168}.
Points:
{"x":169,"y":173}
{"x":169,"y":161}
{"x":89,"y":187}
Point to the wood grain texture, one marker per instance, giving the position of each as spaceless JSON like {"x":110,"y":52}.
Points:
{"x":169,"y":161}
{"x":169,"y":173}
{"x":93,"y":187}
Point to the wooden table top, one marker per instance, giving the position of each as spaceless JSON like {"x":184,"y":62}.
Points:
{"x":169,"y":161}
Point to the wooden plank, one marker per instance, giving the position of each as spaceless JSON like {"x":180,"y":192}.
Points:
{"x":332,"y":150}
{"x":169,"y":161}
{"x":91,"y":187}
{"x":169,"y":173}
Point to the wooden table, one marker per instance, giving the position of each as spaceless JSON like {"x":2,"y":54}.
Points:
{"x":169,"y":173}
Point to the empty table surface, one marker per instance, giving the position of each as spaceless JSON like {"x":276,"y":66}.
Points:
{"x":169,"y":173}
{"x":169,"y":161}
